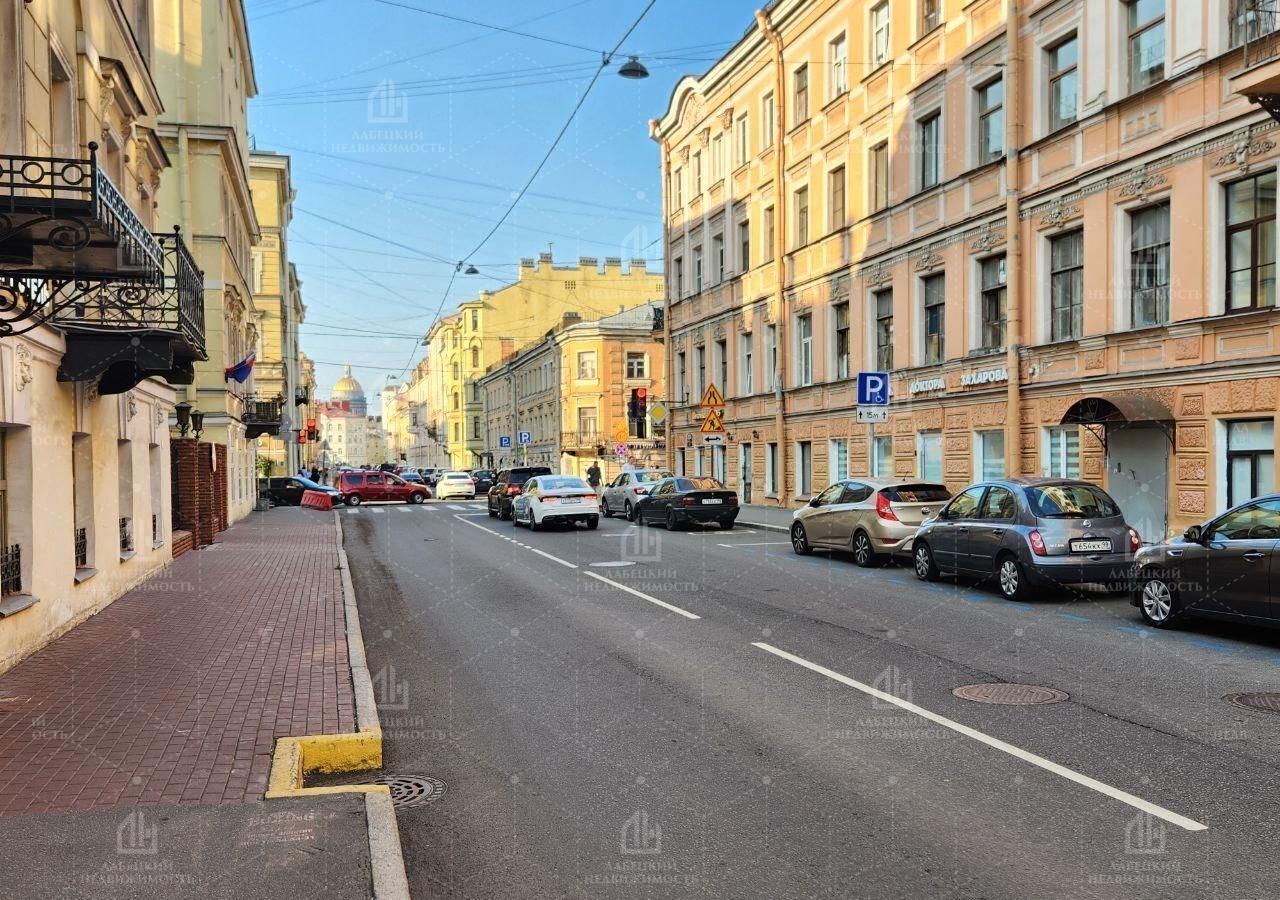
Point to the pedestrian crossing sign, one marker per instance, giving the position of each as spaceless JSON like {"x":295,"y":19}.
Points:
{"x":713,"y":423}
{"x":712,"y":397}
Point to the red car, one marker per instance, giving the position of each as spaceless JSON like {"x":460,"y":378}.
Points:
{"x":357,"y":487}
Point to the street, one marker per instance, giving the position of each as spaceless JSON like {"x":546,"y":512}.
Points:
{"x":634,"y":712}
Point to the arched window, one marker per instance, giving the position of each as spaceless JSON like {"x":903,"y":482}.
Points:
{"x":457,"y":372}
{"x":475,"y":357}
{"x":455,"y":399}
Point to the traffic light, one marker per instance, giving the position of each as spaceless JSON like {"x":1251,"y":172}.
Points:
{"x":313,"y":433}
{"x":638,"y":410}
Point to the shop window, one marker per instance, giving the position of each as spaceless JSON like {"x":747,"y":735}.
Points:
{"x":882,"y":456}
{"x":771,"y":469}
{"x":838,"y":457}
{"x":989,"y":454}
{"x":804,"y":468}
{"x":929,"y":449}
{"x":1251,"y":462}
{"x":1251,"y":242}
{"x":1062,"y":452}
{"x":124,"y":479}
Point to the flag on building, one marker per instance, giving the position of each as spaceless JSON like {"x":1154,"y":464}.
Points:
{"x":240,"y":371}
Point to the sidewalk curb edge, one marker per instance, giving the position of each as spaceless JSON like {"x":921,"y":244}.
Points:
{"x":763,"y":527}
{"x":386,"y":857}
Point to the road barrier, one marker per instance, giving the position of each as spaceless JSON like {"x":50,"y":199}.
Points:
{"x":317,"y":499}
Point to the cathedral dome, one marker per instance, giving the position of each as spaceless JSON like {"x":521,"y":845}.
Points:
{"x":348,"y":390}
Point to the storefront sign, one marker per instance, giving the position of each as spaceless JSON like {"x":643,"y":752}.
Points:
{"x":928,"y":384}
{"x":983,"y":376}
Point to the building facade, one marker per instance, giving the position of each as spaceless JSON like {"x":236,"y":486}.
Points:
{"x":570,"y":392}
{"x":1052,"y":224}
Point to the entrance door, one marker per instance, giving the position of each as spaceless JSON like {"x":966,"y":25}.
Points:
{"x":1138,"y":477}
{"x":745,"y":477}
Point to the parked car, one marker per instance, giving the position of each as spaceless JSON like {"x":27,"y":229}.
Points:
{"x":1028,"y":532}
{"x":483,"y":479}
{"x":623,"y":493}
{"x":431,"y":475}
{"x":455,"y":486}
{"x":555,"y":500}
{"x":507,"y":486}
{"x":411,"y":476}
{"x":1220,"y":569}
{"x":679,"y":501}
{"x":871,"y":518}
{"x":288,"y":490}
{"x":360,"y":486}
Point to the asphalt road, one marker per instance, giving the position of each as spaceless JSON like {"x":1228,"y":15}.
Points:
{"x":629,"y":712}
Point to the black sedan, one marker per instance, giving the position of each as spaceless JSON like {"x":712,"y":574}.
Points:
{"x":483,"y":479}
{"x":680,"y":501}
{"x":287,"y":491}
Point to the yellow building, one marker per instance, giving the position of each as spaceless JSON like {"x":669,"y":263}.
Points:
{"x":204,"y":69}
{"x":277,"y":300}
{"x":570,"y":394}
{"x":98,"y":310}
{"x":483,"y":331}
{"x":1042,"y":228}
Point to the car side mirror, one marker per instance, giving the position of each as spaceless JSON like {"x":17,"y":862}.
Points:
{"x":813,"y":501}
{"x":1193,"y":535}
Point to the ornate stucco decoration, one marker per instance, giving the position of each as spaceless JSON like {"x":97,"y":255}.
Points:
{"x":1058,"y":213}
{"x":130,"y":405}
{"x":726,"y":118}
{"x":988,"y":238}
{"x":877,"y":273}
{"x":928,"y":260}
{"x":1243,"y":146}
{"x":24,"y":376}
{"x":1142,"y":182}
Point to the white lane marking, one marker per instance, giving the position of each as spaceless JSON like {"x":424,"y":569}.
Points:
{"x":759,"y":544}
{"x":1048,"y":765}
{"x":556,"y":559}
{"x":461,"y":508}
{"x":354,"y":510}
{"x":643,"y":596}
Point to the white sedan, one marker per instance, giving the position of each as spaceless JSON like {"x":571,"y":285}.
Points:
{"x":455,"y":486}
{"x":555,"y":499}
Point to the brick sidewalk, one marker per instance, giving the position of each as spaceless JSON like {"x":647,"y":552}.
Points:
{"x":177,"y":691}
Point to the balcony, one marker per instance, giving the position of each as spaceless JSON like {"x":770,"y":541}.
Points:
{"x":1253,"y":26}
{"x":262,"y":415}
{"x":127,"y":331}
{"x":577,"y":441}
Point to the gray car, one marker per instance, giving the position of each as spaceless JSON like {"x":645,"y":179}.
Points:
{"x":627,"y":490}
{"x":1029,"y":532}
{"x":871,"y":518}
{"x":1222,"y":569}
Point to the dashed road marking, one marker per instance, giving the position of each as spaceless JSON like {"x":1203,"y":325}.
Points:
{"x":555,"y":559}
{"x":644,"y":596}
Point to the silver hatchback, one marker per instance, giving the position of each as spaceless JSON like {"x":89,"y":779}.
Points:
{"x":1028,"y":532}
{"x":870,"y":518}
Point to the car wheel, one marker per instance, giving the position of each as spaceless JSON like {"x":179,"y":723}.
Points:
{"x":504,"y":514}
{"x":416,"y":498}
{"x":671,"y":520}
{"x":863,"y":553}
{"x":727,"y":524}
{"x":926,"y":568}
{"x":533,"y":522}
{"x":1012,"y":579}
{"x":604,"y":509}
{"x":1158,"y":601}
{"x":631,"y":512}
{"x":800,"y":541}
{"x":593,"y":523}
{"x":352,"y":500}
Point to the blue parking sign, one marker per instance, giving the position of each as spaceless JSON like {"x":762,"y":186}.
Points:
{"x":504,"y":440}
{"x":526,"y":437}
{"x":873,"y":388}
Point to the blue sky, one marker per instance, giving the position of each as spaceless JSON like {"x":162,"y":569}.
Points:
{"x":410,"y":134}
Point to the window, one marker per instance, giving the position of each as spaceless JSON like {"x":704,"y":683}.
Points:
{"x":1149,"y":266}
{"x":841,"y":311}
{"x":1259,"y":521}
{"x":717,"y":257}
{"x":1251,"y":466}
{"x":1251,"y":242}
{"x":475,"y":357}
{"x":744,"y":246}
{"x":804,"y":468}
{"x":935,"y":308}
{"x":680,"y":463}
{"x":835,"y":198}
{"x":928,"y":132}
{"x":700,"y":459}
{"x":771,"y":357}
{"x":1250,"y":21}
{"x":838,"y":456}
{"x":697,"y":270}
{"x":456,"y":400}
{"x":989,"y":454}
{"x":124,"y":483}
{"x":717,"y":158}
{"x":1062,"y":452}
{"x":766,"y":121}
{"x":838,"y":63}
{"x":588,"y":423}
{"x":697,"y":174}
{"x":991,"y":121}
{"x":721,"y":351}
{"x":677,"y":185}
{"x":882,"y":456}
{"x":771,"y":469}
{"x":700,"y":364}
{"x":678,"y":277}
{"x":682,"y":383}
{"x":999,"y":505}
{"x":746,"y":375}
{"x":884,"y":330}
{"x":804,"y":349}
{"x":800,"y":94}
{"x":930,"y":453}
{"x":1066,"y":286}
{"x":1146,"y":43}
{"x":475,"y":392}
{"x":930,"y":16}
{"x":768,"y":233}
{"x":475,"y":426}
{"x":802,"y":216}
{"x":993,"y":276}
{"x":637,"y":364}
{"x":457,"y":371}
{"x":1063,"y":83}
{"x":586,"y":365}
{"x":880,"y":176}
{"x":744,"y":141}
{"x":880,"y":34}
{"x":475,"y":319}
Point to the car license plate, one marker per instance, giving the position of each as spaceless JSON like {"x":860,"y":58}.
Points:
{"x":572,"y":499}
{"x":1099,"y":546}
{"x":712,"y":502}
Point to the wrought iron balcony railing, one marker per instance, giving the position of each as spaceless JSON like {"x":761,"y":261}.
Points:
{"x":262,"y":415}
{"x":1253,"y":25}
{"x":588,"y":439}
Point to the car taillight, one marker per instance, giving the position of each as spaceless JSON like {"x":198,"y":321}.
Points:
{"x":1134,"y":541}
{"x":513,"y":489}
{"x":732,"y":501}
{"x":590,"y":498}
{"x":1037,"y":544}
{"x":883,"y":509}
{"x":549,"y":498}
{"x":688,"y":501}
{"x":640,"y":490}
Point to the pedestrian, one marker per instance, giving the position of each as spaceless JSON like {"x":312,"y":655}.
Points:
{"x":593,"y":475}
{"x":315,"y":474}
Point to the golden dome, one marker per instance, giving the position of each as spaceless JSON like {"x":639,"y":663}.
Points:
{"x":346,"y":387}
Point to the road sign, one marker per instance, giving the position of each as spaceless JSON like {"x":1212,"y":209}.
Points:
{"x":873,"y":388}
{"x":711,"y":397}
{"x":713,"y":439}
{"x":504,"y":441}
{"x":526,"y":437}
{"x":620,"y":450}
{"x":872,"y":414}
{"x":621,"y":431}
{"x":658,"y":412}
{"x":712,"y":424}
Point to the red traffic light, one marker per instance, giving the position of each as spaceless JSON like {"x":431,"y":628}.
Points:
{"x":642,"y":393}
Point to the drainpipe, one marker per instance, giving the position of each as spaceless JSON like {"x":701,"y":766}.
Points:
{"x":1013,"y":241}
{"x":668,"y":423}
{"x":779,"y":247}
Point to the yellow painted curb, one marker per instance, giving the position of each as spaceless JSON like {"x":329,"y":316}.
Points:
{"x":297,"y":757}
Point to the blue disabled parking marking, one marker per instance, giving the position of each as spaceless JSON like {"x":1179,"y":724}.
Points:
{"x":1133,"y":629}
{"x":1073,"y":617}
{"x":1215,"y":646}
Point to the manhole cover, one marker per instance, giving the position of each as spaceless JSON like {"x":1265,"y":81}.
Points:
{"x":412,"y":790}
{"x":1010,"y":694}
{"x":1256,"y":701}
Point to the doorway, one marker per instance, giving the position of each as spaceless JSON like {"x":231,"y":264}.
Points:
{"x":1138,"y":477}
{"x":745,"y":467}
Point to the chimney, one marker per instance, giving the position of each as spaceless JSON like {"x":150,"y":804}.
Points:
{"x":544,"y":262}
{"x":570,"y":318}
{"x":588,"y":264}
{"x":639,"y":266}
{"x":613,"y":264}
